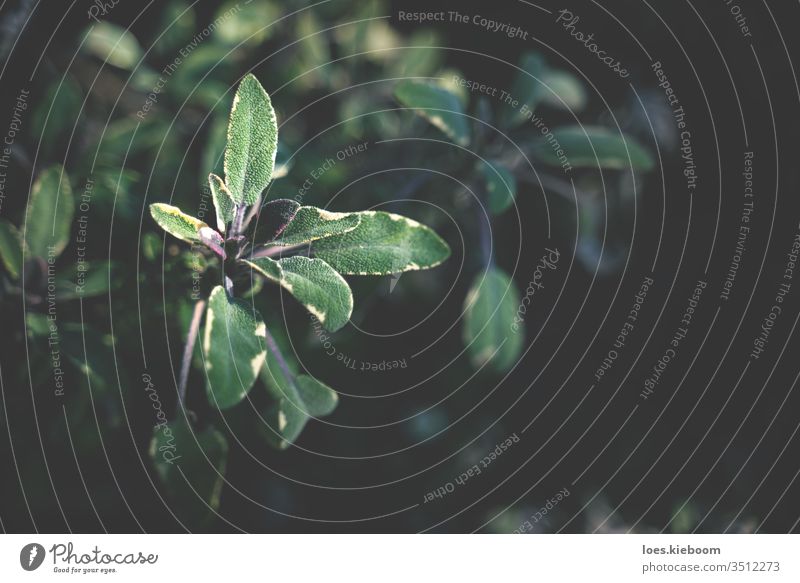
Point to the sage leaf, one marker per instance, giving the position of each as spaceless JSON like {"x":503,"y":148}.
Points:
{"x":312,"y":223}
{"x":298,"y":398}
{"x":594,"y":147}
{"x":233,"y":346}
{"x":252,"y":142}
{"x":501,"y":187}
{"x":314,"y":284}
{"x":10,"y":248}
{"x":273,"y":219}
{"x":440,"y":107}
{"x":224,"y":206}
{"x":191,"y":466}
{"x":489,"y":311}
{"x":50,"y":210}
{"x":177,"y":223}
{"x":383,"y":244}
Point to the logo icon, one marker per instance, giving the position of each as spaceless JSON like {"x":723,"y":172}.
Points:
{"x":31,"y":556}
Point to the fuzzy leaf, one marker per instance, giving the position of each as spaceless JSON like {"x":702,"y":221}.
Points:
{"x":10,"y":248}
{"x":177,"y":223}
{"x":274,"y":218}
{"x":382,"y":244}
{"x":252,"y":142}
{"x":298,"y":398}
{"x":233,"y":343}
{"x":501,"y":187}
{"x":594,"y":147}
{"x":439,"y":106}
{"x":191,"y":465}
{"x":224,"y":206}
{"x":489,"y":311}
{"x":312,"y":223}
{"x":314,"y":284}
{"x":50,"y":210}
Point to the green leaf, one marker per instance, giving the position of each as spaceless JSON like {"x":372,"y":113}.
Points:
{"x":224,"y":206}
{"x":312,"y":223}
{"x":314,"y":284}
{"x":233,"y":343}
{"x":177,"y":223}
{"x":273,"y":218}
{"x":10,"y":248}
{"x":438,"y":105}
{"x":489,"y":311}
{"x":191,"y":465}
{"x":298,"y":398}
{"x":56,"y":114}
{"x":89,"y":279}
{"x":252,"y":142}
{"x":526,"y":88}
{"x":567,"y":87}
{"x":114,"y":45}
{"x":383,"y":244}
{"x":50,"y":210}
{"x":594,"y":147}
{"x":501,"y":187}
{"x":185,"y":227}
{"x":246,"y":24}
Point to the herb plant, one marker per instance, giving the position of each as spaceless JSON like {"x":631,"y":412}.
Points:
{"x":303,"y":249}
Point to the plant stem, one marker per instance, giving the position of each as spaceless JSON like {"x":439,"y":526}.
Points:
{"x":188,"y":349}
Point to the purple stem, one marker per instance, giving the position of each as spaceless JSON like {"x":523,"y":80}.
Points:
{"x":188,"y":349}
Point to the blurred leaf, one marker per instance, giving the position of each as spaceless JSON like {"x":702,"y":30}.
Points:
{"x":594,"y":147}
{"x":233,"y":343}
{"x":567,"y":87}
{"x":191,"y":465}
{"x":114,"y":45}
{"x":245,"y":24}
{"x":421,"y":57}
{"x":95,"y":281}
{"x":297,"y":399}
{"x":175,"y":29}
{"x":314,"y":284}
{"x":273,"y":218}
{"x":10,"y":248}
{"x":214,"y":151}
{"x":489,"y":311}
{"x":252,"y":142}
{"x":50,"y":210}
{"x":439,"y":106}
{"x":91,"y":354}
{"x":224,"y":206}
{"x":60,"y":110}
{"x":151,"y":246}
{"x":383,"y":244}
{"x":526,"y":88}
{"x":283,"y":163}
{"x":312,"y":223}
{"x":501,"y":187}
